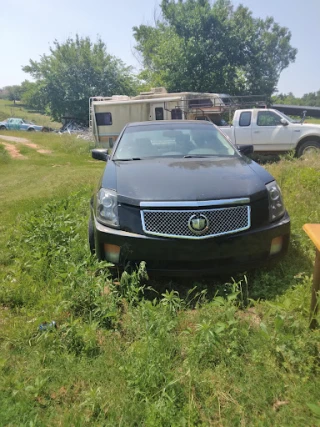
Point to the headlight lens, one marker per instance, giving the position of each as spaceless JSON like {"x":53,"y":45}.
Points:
{"x":107,"y":207}
{"x":276,"y":206}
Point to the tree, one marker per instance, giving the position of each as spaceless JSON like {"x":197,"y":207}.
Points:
{"x":76,"y":70}
{"x":310,"y":99}
{"x":33,"y":94}
{"x":197,"y":46}
{"x":12,"y":93}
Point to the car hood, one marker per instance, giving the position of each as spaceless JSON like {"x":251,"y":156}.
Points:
{"x":310,"y":126}
{"x":186,"y":179}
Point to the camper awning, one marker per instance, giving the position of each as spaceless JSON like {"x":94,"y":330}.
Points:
{"x":139,"y":101}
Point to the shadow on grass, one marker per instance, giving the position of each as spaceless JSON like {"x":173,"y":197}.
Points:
{"x":264,"y":283}
{"x":263,"y":159}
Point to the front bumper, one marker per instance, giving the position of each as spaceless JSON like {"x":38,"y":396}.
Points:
{"x":224,"y":254}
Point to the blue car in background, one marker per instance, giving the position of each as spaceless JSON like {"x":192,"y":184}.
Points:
{"x":20,"y":124}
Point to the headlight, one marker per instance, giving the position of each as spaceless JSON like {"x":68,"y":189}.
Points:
{"x":107,"y":207}
{"x":276,"y":206}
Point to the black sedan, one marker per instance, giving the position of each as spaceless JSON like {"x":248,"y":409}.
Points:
{"x":179,"y":196}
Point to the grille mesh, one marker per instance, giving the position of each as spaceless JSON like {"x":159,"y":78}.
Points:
{"x":174,"y":223}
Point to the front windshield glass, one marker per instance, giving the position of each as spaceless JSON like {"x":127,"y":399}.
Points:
{"x":173,"y":140}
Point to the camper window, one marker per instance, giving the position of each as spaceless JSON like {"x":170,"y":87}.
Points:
{"x":159,"y":113}
{"x":198,"y":103}
{"x":176,"y":114}
{"x":104,"y":119}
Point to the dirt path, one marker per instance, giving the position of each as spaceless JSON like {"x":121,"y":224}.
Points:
{"x":14,"y":152}
{"x":14,"y":139}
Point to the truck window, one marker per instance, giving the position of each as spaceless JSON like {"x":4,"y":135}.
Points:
{"x":176,"y":114}
{"x":245,"y":118}
{"x":159,"y":113}
{"x":104,"y":119}
{"x":268,"y":118}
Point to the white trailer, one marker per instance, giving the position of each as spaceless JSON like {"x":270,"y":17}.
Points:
{"x":108,"y":115}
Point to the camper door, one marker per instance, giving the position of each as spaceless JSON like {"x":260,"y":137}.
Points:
{"x":158,"y":111}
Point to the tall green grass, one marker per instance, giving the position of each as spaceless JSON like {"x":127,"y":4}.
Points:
{"x":124,"y":354}
{"x":129,"y":351}
{"x":127,"y":354}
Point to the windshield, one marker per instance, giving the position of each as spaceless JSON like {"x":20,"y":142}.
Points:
{"x":172,"y":140}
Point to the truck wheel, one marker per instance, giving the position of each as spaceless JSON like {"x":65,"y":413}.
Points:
{"x":308,"y":147}
{"x":91,"y":237}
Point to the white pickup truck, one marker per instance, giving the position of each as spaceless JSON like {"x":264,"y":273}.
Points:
{"x":271,"y":131}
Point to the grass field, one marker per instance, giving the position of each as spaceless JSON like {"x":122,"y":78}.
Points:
{"x":9,"y":109}
{"x":132,"y":352}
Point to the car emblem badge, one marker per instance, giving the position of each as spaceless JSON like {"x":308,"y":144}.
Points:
{"x":198,"y":224}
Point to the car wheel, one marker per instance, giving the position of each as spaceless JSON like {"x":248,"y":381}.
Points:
{"x":91,"y":237}
{"x":308,"y":147}
{"x":3,"y":128}
{"x":30,"y":130}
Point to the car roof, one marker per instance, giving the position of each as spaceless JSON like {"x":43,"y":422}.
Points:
{"x":172,"y":122}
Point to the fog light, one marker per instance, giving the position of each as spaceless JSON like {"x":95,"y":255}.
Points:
{"x":276,"y":245}
{"x":112,"y":253}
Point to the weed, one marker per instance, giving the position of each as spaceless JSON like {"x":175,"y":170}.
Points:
{"x":4,"y":155}
{"x":139,"y":352}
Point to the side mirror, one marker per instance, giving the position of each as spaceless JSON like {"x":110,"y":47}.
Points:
{"x":100,"y":154}
{"x":284,"y":122}
{"x":246,"y":150}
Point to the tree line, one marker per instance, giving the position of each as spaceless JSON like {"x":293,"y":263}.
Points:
{"x":311,"y":99}
{"x":195,"y":45}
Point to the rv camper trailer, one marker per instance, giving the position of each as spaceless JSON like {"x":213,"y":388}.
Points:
{"x":108,"y":115}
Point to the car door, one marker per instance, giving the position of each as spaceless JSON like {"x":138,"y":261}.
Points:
{"x":243,"y":129}
{"x":10,"y":124}
{"x":269,"y":134}
{"x":15,"y":124}
{"x":24,"y":125}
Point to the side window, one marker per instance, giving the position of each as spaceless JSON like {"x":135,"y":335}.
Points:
{"x":198,"y":103}
{"x":176,"y":114}
{"x":104,"y":119}
{"x":268,"y":118}
{"x":159,"y":113}
{"x":245,"y":118}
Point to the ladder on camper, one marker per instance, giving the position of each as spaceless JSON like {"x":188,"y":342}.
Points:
{"x":90,"y":117}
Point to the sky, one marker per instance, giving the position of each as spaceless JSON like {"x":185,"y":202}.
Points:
{"x":29,"y":27}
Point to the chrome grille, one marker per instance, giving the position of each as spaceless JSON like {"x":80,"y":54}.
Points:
{"x":175,"y":223}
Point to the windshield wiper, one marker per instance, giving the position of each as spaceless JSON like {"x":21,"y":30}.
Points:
{"x":129,"y":160}
{"x":198,"y":156}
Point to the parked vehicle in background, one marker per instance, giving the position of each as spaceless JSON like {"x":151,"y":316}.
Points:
{"x":108,"y":115}
{"x":20,"y":124}
{"x":178,"y":195}
{"x":271,"y":131}
{"x":268,"y":130}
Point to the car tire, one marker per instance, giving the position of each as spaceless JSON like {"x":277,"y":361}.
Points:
{"x":3,"y":128}
{"x":308,"y":147}
{"x":91,"y":237}
{"x":30,"y":130}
